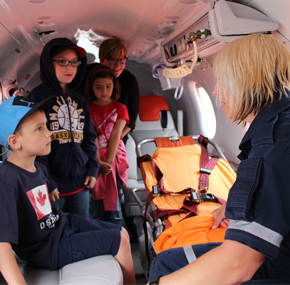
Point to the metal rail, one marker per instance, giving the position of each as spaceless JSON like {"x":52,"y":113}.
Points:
{"x":157,"y":224}
{"x":176,"y":138}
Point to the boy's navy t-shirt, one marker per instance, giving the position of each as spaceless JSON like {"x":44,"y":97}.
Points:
{"x":27,"y":220}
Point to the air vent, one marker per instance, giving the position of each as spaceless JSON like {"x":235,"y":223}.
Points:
{"x":40,"y":34}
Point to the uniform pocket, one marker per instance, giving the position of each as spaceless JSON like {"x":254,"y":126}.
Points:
{"x":240,"y":202}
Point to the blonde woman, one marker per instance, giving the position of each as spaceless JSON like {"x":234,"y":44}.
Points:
{"x":253,"y":80}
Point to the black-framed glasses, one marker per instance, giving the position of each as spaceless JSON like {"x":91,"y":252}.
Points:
{"x":65,"y":63}
{"x":113,"y":61}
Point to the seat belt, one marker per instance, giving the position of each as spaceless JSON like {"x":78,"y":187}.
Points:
{"x":206,"y":167}
{"x":164,"y":119}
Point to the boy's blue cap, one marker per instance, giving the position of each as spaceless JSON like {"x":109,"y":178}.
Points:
{"x":16,"y":109}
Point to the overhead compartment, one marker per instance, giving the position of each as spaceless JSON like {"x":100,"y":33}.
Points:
{"x":218,"y":23}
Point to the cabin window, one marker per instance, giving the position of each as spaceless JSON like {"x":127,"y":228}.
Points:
{"x":90,"y":41}
{"x":207,"y":118}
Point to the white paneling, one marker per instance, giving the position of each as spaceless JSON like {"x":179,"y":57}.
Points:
{"x":228,"y":136}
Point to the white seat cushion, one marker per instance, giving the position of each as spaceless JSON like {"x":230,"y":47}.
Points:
{"x":97,"y":270}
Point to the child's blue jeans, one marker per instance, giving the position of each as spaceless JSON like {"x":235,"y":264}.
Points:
{"x":97,"y":212}
{"x":74,"y":204}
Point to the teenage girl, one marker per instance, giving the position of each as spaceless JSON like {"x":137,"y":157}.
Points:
{"x":109,"y":118}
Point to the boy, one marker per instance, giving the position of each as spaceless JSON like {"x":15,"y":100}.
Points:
{"x":72,"y":166}
{"x":41,"y":236}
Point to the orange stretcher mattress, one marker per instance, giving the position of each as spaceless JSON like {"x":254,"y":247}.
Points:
{"x":180,"y":167}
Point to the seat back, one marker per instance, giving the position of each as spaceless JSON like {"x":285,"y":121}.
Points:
{"x":148,"y":125}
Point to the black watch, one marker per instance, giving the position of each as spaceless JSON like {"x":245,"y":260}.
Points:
{"x":155,"y":280}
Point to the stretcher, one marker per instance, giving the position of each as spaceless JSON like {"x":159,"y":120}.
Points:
{"x":184,"y":184}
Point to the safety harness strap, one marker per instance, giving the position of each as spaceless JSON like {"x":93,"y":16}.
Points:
{"x":206,"y":164}
{"x":188,"y":206}
{"x":206,"y":167}
{"x":189,"y":203}
{"x":164,"y":119}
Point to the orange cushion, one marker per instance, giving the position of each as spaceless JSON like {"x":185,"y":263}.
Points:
{"x":166,"y":142}
{"x":150,"y":106}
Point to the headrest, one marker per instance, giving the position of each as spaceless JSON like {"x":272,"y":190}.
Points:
{"x":150,"y":107}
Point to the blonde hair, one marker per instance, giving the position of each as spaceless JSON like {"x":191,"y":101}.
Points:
{"x":112,"y":48}
{"x":249,"y":70}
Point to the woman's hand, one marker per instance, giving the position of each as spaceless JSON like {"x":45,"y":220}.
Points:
{"x":220,"y":218}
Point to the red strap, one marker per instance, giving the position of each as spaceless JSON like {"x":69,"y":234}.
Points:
{"x":185,"y":191}
{"x":164,"y":214}
{"x":158,"y":174}
{"x":204,"y":179}
{"x":206,"y":163}
{"x":203,"y":141}
{"x":188,"y":206}
{"x":220,"y":200}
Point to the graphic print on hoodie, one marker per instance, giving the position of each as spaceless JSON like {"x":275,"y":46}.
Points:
{"x":73,"y":149}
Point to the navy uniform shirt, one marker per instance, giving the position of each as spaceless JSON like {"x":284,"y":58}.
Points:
{"x":259,"y":201}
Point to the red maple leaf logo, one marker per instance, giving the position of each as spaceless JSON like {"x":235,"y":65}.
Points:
{"x":41,"y":199}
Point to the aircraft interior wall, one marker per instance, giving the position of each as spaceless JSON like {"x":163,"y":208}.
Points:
{"x":19,"y":60}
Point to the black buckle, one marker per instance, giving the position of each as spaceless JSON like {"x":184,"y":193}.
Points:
{"x":205,"y":170}
{"x":156,"y":190}
{"x":194,"y":197}
{"x":208,"y":197}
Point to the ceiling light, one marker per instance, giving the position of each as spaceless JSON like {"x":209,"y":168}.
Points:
{"x":89,"y":40}
{"x":44,"y":18}
{"x":37,"y":1}
{"x":165,"y":24}
{"x":137,"y":52}
{"x":46,"y":24}
{"x":188,"y":1}
{"x":172,"y":17}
